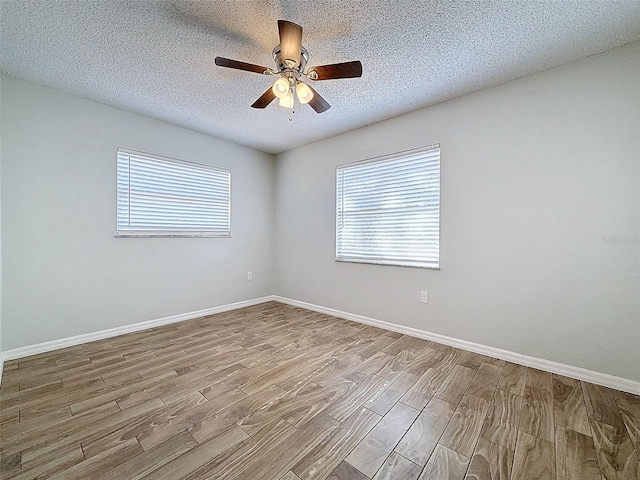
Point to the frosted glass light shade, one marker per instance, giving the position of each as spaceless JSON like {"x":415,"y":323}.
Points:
{"x":287,"y":102}
{"x":305,"y":94}
{"x":281,"y":88}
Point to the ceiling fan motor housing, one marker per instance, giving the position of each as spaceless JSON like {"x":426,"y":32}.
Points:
{"x":286,"y":70}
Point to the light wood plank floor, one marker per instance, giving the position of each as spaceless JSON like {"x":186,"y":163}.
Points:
{"x":278,"y":392}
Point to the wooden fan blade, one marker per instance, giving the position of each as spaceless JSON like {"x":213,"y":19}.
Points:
{"x":337,"y":70}
{"x":290,"y":42}
{"x":266,"y":98}
{"x":249,"y":67}
{"x":318,"y":103}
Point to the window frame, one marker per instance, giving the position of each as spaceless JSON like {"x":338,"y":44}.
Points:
{"x":380,"y":261}
{"x":151,"y":233}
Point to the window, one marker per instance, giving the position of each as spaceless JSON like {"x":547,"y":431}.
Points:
{"x":163,"y":197}
{"x":388,"y":209}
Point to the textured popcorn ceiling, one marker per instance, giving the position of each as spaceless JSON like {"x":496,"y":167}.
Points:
{"x":156,"y":57}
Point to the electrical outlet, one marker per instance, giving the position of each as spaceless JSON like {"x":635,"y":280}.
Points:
{"x":250,"y":276}
{"x":424,"y":297}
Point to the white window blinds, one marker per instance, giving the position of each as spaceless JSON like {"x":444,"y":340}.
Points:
{"x":160,"y":196}
{"x":388,"y":209}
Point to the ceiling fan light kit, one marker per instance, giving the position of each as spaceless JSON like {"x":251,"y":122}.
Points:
{"x":281,"y":88}
{"x":291,"y":59}
{"x":304,"y":93}
{"x":286,"y":101}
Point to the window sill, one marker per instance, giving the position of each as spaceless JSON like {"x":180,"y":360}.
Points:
{"x":388,"y":263}
{"x":172,"y":235}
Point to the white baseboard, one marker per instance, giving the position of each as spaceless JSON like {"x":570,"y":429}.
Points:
{"x":135,"y":327}
{"x":578,"y":373}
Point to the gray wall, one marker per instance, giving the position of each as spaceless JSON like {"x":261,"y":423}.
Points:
{"x":64,"y":271}
{"x":1,"y":349}
{"x":538,"y":176}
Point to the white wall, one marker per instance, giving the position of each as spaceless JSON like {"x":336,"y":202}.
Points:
{"x":64,"y":271}
{"x":536,"y":175}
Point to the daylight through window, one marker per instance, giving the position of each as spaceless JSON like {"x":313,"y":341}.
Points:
{"x":160,"y":196}
{"x":388,"y":209}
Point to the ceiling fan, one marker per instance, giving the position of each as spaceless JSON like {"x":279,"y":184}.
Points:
{"x":291,"y":58}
